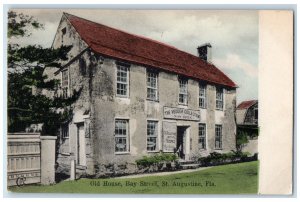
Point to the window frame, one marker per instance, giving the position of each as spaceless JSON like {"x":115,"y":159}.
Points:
{"x":204,"y":137}
{"x":127,"y":136}
{"x":151,"y":87}
{"x":185,"y":94}
{"x":220,"y":90}
{"x":255,"y":113}
{"x":126,"y":66}
{"x":153,"y":136}
{"x":219,"y":137}
{"x":63,"y":33}
{"x":64,"y":129}
{"x":65,"y":88}
{"x":204,"y":97}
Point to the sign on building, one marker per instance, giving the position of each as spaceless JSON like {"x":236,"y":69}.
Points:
{"x":169,"y":136}
{"x":182,"y":114}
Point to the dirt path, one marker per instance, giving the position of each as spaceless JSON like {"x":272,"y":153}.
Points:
{"x":162,"y":173}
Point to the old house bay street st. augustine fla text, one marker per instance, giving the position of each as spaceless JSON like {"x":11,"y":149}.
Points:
{"x":143,"y":183}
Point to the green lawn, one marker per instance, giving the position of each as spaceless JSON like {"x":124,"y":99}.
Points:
{"x":239,"y":178}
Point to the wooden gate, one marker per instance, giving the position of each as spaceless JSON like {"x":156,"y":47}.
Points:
{"x":23,"y":158}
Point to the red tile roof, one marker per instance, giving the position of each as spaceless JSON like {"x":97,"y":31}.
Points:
{"x":140,"y":50}
{"x":246,"y":104}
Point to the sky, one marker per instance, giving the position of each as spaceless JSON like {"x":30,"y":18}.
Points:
{"x":232,"y":34}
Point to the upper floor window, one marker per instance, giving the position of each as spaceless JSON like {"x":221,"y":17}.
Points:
{"x":219,"y":98}
{"x":122,"y":81}
{"x":183,"y":91}
{"x":63,"y":32}
{"x":202,"y":136}
{"x":152,"y":87}
{"x":121,"y":135}
{"x":152,"y":133}
{"x":202,"y":96}
{"x":218,"y":137}
{"x":65,"y":83}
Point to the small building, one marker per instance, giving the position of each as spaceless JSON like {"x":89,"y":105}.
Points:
{"x":139,"y":97}
{"x":247,"y":122}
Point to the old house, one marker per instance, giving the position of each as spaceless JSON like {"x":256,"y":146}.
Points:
{"x":247,"y":122}
{"x":139,"y":97}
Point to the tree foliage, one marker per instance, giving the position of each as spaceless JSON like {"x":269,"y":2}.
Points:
{"x":241,"y":140}
{"x":20,"y":25}
{"x":26,"y":66}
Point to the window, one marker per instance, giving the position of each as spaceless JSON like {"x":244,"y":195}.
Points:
{"x":63,"y":32}
{"x":152,"y":93}
{"x":65,"y":83}
{"x":121,"y":135}
{"x":152,"y":133}
{"x":183,"y":91}
{"x":219,"y":98}
{"x":65,"y":130}
{"x":218,"y":138}
{"x":202,"y":96}
{"x":202,"y":136}
{"x":122,"y":80}
{"x":82,"y":66}
{"x":255,"y":113}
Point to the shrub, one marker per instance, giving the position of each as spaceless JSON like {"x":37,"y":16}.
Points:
{"x":241,"y":140}
{"x":215,"y":158}
{"x":148,"y":161}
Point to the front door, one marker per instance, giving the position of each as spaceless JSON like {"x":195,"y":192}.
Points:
{"x":81,"y":145}
{"x":181,"y":136}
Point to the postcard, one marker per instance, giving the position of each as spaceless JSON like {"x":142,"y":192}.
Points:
{"x":149,"y":101}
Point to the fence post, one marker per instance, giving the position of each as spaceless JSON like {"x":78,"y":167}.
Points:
{"x":73,"y":170}
{"x":48,"y":159}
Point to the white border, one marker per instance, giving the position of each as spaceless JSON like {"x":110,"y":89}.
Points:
{"x":213,"y":4}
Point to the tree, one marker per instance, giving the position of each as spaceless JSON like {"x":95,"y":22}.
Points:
{"x":241,"y":140}
{"x":26,"y":66}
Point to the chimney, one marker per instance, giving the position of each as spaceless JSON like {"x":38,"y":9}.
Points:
{"x":204,"y":52}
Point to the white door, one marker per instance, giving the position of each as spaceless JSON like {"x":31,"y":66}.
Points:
{"x":81,"y":146}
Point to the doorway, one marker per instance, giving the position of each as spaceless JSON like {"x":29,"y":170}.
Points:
{"x":81,"y":157}
{"x":181,"y":142}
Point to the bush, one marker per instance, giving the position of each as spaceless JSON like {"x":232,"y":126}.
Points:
{"x":216,"y":158}
{"x":156,"y":160}
{"x":241,"y":140}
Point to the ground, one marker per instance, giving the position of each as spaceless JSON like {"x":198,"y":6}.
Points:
{"x":241,"y":178}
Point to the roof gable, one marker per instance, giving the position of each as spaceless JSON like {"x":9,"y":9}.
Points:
{"x":246,"y":104}
{"x":136,"y":49}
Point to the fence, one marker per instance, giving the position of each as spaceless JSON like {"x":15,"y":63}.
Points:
{"x":24,"y":163}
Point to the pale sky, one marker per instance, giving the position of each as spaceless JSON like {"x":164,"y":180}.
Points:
{"x":232,"y":34}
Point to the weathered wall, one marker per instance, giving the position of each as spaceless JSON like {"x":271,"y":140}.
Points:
{"x":228,"y":121}
{"x":98,"y":95}
{"x":48,"y":159}
{"x":226,"y":118}
{"x":251,"y":146}
{"x":240,"y":115}
{"x":71,"y":37}
{"x":136,"y":108}
{"x":80,"y":60}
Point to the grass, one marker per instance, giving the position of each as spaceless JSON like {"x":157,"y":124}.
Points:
{"x":239,"y":178}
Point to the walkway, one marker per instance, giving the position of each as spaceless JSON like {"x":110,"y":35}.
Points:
{"x":161,"y":173}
